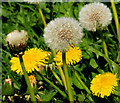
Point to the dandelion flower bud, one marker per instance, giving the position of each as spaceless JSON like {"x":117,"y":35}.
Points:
{"x":61,"y":33}
{"x":17,"y":40}
{"x":32,"y":80}
{"x":7,"y":87}
{"x":9,"y":81}
{"x":95,"y":16}
{"x":33,"y":83}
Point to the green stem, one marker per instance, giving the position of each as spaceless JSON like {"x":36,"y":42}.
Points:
{"x":48,"y":81}
{"x":117,"y":27}
{"x":82,"y":83}
{"x":116,"y":20}
{"x":41,"y":14}
{"x":104,"y":46}
{"x":59,"y":68}
{"x":84,"y":86}
{"x":57,"y":77}
{"x":62,"y":76}
{"x":118,"y":35}
{"x":90,"y":98}
{"x":67,"y":77}
{"x":27,"y":80}
{"x":44,"y":22}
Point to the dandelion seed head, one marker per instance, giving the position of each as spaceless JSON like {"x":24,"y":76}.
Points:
{"x":62,"y":32}
{"x":65,"y":34}
{"x":95,"y":16}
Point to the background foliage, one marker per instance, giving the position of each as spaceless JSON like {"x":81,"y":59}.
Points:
{"x":25,"y":16}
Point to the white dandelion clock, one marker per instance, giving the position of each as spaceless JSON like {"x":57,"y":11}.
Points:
{"x":62,"y":32}
{"x":95,"y":16}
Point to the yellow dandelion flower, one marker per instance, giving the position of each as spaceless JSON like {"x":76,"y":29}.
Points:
{"x":32,"y":80}
{"x":31,"y":58}
{"x":103,"y":84}
{"x":73,"y":55}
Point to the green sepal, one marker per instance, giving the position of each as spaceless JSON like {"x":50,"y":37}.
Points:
{"x":7,"y":89}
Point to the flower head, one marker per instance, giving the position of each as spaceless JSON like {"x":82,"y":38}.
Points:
{"x":95,"y":16}
{"x":73,"y":55}
{"x":32,"y":80}
{"x":103,"y":84}
{"x":31,"y":58}
{"x":62,"y":32}
{"x":17,"y":39}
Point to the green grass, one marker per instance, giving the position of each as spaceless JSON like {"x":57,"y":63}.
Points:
{"x":25,"y":16}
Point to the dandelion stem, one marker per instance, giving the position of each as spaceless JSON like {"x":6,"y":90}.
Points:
{"x":116,"y":20}
{"x":84,"y":86}
{"x":60,"y":71}
{"x":61,"y":92}
{"x":44,"y":22}
{"x":27,"y":80}
{"x":81,"y":82}
{"x":59,"y":68}
{"x":105,"y":49}
{"x":41,"y":14}
{"x":104,"y":46}
{"x":118,"y":35}
{"x":67,"y":77}
{"x":117,"y":27}
{"x":48,"y":81}
{"x":62,"y":76}
{"x":57,"y":77}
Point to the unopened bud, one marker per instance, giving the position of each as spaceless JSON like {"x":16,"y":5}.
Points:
{"x":17,"y":40}
{"x":33,"y":83}
{"x":9,"y":81}
{"x":7,"y":87}
{"x":32,"y":80}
